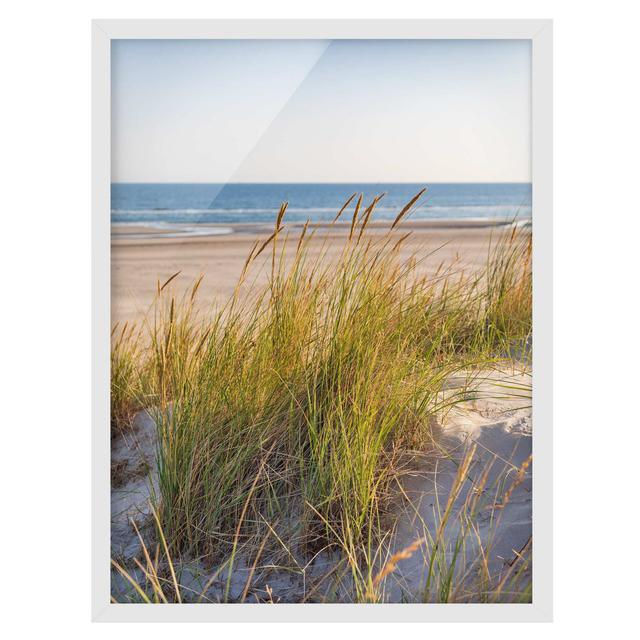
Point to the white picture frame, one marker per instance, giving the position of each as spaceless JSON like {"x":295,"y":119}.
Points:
{"x":540,"y":34}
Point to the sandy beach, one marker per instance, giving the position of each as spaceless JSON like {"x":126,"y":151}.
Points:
{"x":140,"y":256}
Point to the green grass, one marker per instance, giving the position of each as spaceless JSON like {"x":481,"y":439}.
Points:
{"x":287,"y":412}
{"x":127,"y":379}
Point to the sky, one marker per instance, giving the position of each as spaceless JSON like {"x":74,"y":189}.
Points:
{"x":321,"y":111}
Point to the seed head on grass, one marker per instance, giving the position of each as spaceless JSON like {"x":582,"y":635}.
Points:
{"x":354,"y":219}
{"x":407,"y":208}
{"x":392,"y":564}
{"x":344,"y":206}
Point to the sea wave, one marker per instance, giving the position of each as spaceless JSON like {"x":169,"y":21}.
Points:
{"x":320,"y":213}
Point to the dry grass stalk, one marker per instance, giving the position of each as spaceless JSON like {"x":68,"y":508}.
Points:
{"x":518,"y":480}
{"x":344,"y":206}
{"x":354,"y":220}
{"x":407,"y":208}
{"x":175,"y":275}
{"x":392,"y":564}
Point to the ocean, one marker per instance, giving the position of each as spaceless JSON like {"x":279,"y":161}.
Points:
{"x":160,"y":205}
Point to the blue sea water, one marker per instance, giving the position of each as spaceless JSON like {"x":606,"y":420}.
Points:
{"x":167,"y":204}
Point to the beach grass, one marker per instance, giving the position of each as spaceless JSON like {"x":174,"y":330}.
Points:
{"x":286,"y":417}
{"x":127,"y":392}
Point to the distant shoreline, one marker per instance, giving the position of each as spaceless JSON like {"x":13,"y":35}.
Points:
{"x":179,"y":231}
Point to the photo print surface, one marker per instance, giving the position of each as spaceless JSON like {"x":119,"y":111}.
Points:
{"x":321,"y":310}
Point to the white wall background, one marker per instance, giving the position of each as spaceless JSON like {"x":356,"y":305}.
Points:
{"x":45,"y":536}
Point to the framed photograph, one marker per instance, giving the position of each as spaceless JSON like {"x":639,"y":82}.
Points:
{"x":322,"y":276}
